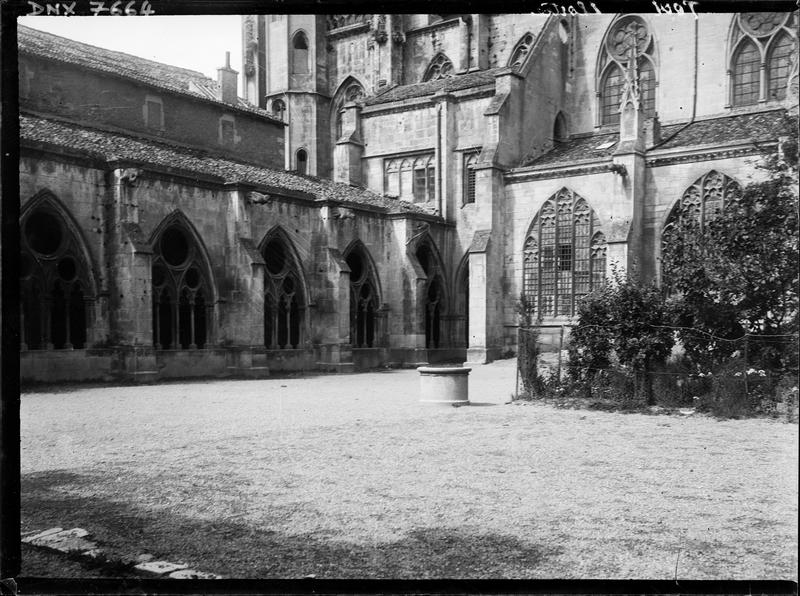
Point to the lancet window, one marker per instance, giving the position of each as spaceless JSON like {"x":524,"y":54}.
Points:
{"x":763,"y":54}
{"x":628,"y":38}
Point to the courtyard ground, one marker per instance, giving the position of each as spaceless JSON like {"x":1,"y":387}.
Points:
{"x":349,"y":476}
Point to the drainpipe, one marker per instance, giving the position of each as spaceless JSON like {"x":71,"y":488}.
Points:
{"x":439,"y":159}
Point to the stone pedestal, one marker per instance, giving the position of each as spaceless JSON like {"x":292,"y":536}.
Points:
{"x":445,"y":385}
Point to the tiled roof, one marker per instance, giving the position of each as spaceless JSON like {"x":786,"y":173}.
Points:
{"x":455,"y":83}
{"x":575,"y":150}
{"x":755,"y":127}
{"x":759,"y":126}
{"x":105,"y":145}
{"x":156,"y":74}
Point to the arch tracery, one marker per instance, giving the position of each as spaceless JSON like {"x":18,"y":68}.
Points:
{"x":564,"y":255}
{"x":628,"y":38}
{"x":57,"y":286}
{"x":284,"y":293}
{"x":183,"y":289}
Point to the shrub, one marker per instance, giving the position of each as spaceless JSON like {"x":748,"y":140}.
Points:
{"x":625,"y":319}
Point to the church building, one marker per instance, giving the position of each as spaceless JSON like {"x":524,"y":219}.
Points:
{"x":386,"y":190}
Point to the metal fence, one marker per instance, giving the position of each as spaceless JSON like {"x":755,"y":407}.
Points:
{"x":757,"y":366}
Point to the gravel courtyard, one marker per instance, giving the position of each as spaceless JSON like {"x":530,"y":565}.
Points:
{"x":349,"y":476}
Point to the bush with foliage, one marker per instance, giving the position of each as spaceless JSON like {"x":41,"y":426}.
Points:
{"x":738,"y":273}
{"x":625,"y":318}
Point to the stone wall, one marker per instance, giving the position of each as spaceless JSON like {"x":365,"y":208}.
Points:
{"x":79,"y":94}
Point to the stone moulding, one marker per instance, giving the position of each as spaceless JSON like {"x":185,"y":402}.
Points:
{"x":347,"y":30}
{"x":559,"y":171}
{"x":710,"y":154}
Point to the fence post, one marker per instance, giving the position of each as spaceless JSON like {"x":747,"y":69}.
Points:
{"x":560,"y":349}
{"x":746,"y":385}
{"x":519,"y":353}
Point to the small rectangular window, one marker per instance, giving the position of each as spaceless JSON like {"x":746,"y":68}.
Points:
{"x":154,"y":114}
{"x":431,"y":184}
{"x":227,"y":132}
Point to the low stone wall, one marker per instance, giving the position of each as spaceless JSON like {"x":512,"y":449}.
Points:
{"x":42,"y":366}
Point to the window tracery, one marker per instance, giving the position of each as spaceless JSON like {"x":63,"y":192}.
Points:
{"x":763,"y":63}
{"x":284,"y":303}
{"x":364,"y":299}
{"x":627,"y":37}
{"x":564,"y":255}
{"x":521,"y":50}
{"x":181,"y":291}
{"x":440,"y":68}
{"x":700,"y":203}
{"x":55,"y":285}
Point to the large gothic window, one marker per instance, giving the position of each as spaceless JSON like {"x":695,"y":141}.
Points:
{"x":521,"y":50}
{"x":364,"y":299}
{"x":440,"y":68}
{"x":701,"y":202}
{"x":55,"y":283}
{"x":763,"y":56}
{"x":627,"y":38}
{"x":434,"y":302}
{"x":284,"y":303}
{"x":564,"y":257}
{"x":182,"y":299}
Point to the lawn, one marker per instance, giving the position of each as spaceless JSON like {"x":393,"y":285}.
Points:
{"x":349,"y":476}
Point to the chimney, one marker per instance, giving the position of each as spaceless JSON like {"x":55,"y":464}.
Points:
{"x":227,"y":79}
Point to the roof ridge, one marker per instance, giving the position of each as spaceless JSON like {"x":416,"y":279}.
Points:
{"x":33,"y":31}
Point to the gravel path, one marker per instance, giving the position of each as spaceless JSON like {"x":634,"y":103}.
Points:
{"x":349,"y":476}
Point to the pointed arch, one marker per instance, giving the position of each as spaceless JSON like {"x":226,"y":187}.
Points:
{"x":521,"y":52}
{"x":561,"y":255}
{"x":365,"y":296}
{"x":560,"y":130}
{"x":701,"y":202}
{"x":625,"y":35}
{"x":46,"y":199}
{"x":57,"y":282}
{"x":461,"y":301}
{"x":299,"y":52}
{"x":183,"y":287}
{"x":434,"y":300}
{"x":350,"y":89}
{"x":440,"y":67}
{"x":285,"y":291}
{"x":760,"y":50}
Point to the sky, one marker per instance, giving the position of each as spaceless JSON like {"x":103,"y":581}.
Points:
{"x":195,"y":42}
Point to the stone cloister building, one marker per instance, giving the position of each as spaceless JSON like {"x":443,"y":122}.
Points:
{"x":384,"y":192}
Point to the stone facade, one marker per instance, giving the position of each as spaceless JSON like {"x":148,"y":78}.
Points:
{"x":385,"y":192}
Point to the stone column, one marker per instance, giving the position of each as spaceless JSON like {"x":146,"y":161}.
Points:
{"x":477,"y":352}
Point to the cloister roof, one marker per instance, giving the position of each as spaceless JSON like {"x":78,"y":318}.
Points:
{"x":38,"y":132}
{"x":155,"y":74}
{"x":454,"y":83}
